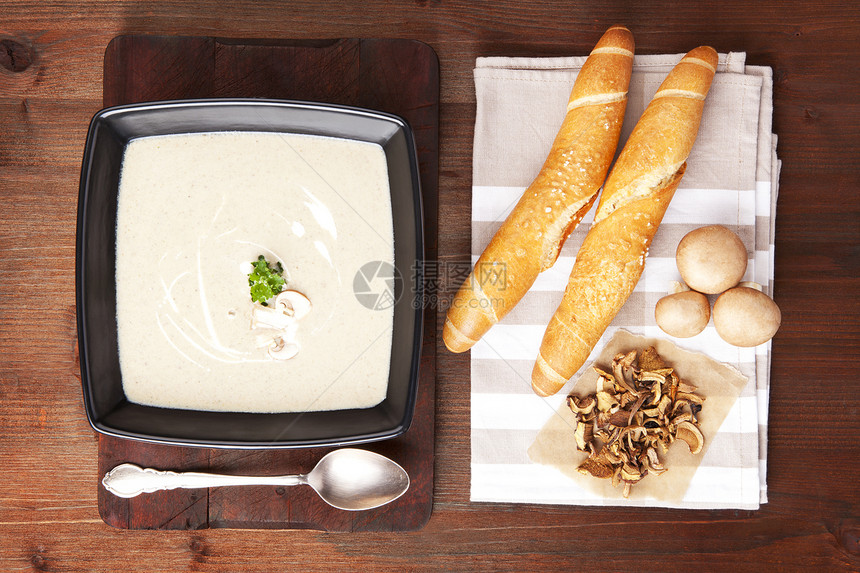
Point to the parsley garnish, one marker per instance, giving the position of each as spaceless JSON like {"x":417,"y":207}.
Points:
{"x":265,"y":281}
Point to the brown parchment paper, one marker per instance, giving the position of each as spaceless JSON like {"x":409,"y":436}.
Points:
{"x":720,"y":384}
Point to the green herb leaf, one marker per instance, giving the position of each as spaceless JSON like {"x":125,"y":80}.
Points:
{"x":265,"y":281}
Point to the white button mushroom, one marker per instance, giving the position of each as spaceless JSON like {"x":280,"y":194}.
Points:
{"x":293,"y":303}
{"x":683,"y":314}
{"x":283,"y":350}
{"x":711,"y":259}
{"x":267,"y":317}
{"x":280,"y":323}
{"x":746,"y":317}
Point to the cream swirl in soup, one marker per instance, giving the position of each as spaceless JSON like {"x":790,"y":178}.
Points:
{"x":194,"y":211}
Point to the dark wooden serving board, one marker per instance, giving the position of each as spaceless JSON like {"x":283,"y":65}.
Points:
{"x":397,"y":76}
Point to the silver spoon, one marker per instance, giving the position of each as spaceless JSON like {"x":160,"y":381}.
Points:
{"x":348,"y":479}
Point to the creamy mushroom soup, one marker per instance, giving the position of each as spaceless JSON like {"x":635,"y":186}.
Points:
{"x":194,"y":212}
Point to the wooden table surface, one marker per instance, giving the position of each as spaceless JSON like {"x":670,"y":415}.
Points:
{"x":51,"y":56}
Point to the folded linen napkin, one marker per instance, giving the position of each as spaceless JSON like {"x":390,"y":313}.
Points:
{"x":731,"y":179}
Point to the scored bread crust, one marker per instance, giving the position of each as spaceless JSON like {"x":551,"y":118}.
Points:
{"x":635,"y":198}
{"x":530,"y":239}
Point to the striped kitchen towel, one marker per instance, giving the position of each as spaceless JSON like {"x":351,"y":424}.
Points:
{"x":731,"y":179}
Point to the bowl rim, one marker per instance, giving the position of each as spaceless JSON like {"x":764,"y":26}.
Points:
{"x":399,"y":427}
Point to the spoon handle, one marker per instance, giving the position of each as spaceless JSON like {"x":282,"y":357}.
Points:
{"x":129,"y":480}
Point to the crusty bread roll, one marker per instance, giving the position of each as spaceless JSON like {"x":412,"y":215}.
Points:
{"x":634,"y":200}
{"x":530,"y":239}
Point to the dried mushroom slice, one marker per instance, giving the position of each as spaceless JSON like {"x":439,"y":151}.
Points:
{"x":690,"y":433}
{"x":654,"y":464}
{"x":629,"y":472}
{"x":641,"y":407}
{"x":620,"y":418}
{"x":650,"y":360}
{"x":607,"y":402}
{"x":694,"y":410}
{"x":583,"y":406}
{"x":683,"y":417}
{"x":649,"y":376}
{"x":597,"y":466}
{"x":689,"y":397}
{"x":621,"y":363}
{"x":584,"y":435}
{"x":674,"y":382}
{"x":626,"y":399}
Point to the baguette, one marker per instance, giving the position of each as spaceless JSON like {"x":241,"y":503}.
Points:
{"x":530,"y":239}
{"x":634,"y":200}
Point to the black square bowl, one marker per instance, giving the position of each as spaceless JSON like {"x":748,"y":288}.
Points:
{"x":107,"y":408}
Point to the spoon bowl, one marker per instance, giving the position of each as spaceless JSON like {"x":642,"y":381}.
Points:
{"x":349,"y":479}
{"x":355,"y":479}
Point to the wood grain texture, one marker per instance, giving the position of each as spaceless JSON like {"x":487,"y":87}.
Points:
{"x":49,"y":517}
